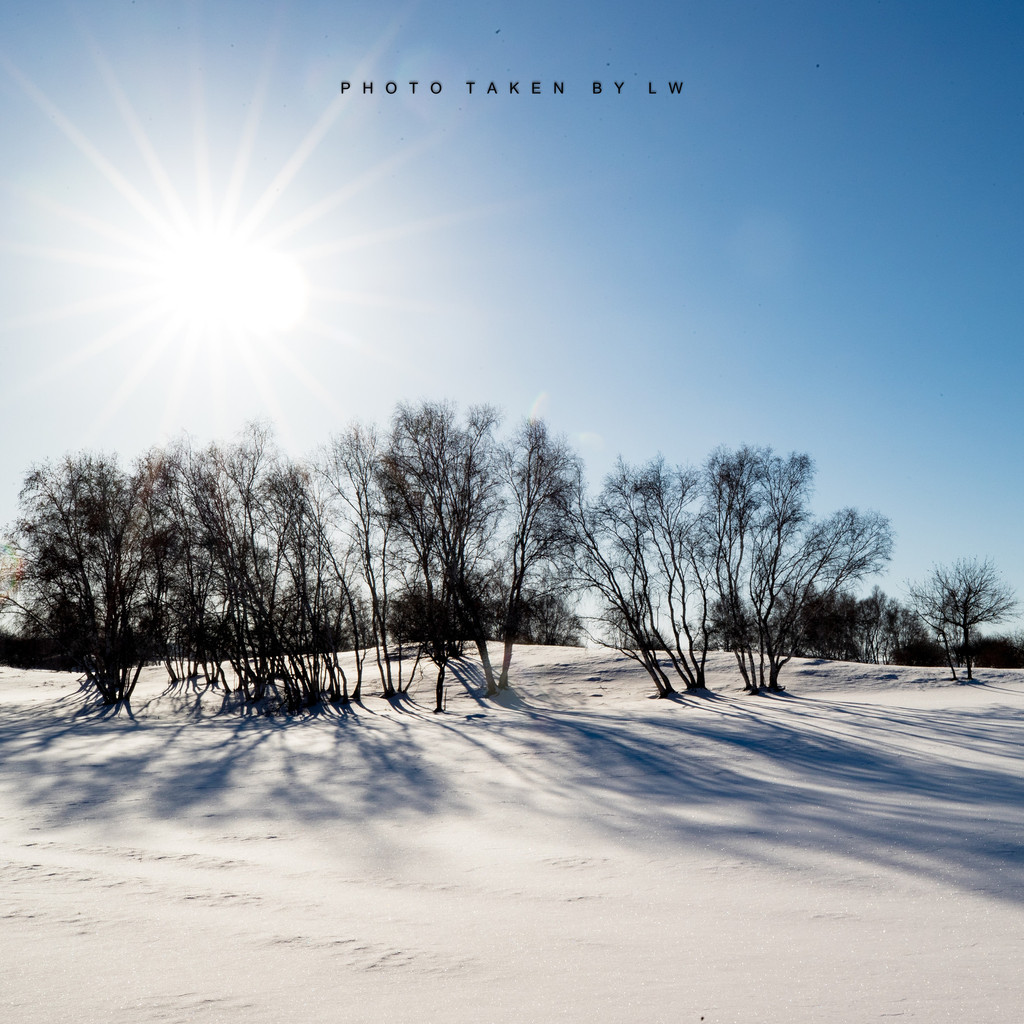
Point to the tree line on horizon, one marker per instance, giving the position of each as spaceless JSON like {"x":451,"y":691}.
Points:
{"x":238,"y":565}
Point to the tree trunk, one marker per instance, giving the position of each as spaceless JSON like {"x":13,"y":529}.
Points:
{"x":949,"y":655}
{"x":485,"y":659}
{"x":439,"y":691}
{"x":654,"y":670}
{"x":506,"y":660}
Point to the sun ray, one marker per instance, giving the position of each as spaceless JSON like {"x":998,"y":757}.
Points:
{"x":132,"y":378}
{"x":272,"y":193}
{"x":250,"y":128}
{"x":168,"y":193}
{"x":129,"y":328}
{"x":201,"y":152}
{"x":79,"y":257}
{"x":319,"y":209}
{"x":102,"y":228}
{"x":114,"y":300}
{"x":127,"y":191}
{"x":257,"y":372}
{"x":215,"y":288}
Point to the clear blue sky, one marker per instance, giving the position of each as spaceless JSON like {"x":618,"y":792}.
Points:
{"x":817,"y":245}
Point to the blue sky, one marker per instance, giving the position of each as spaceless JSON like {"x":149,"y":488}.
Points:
{"x":817,"y":245}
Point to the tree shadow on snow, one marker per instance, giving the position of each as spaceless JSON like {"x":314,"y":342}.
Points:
{"x":931,"y":793}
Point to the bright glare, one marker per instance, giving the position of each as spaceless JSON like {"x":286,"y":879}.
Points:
{"x":219,"y":285}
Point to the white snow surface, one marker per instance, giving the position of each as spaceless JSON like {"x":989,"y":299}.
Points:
{"x":850,"y":850}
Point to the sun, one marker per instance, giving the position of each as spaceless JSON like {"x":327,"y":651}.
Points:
{"x":214,"y":284}
{"x":189,"y":279}
{"x":184,"y":274}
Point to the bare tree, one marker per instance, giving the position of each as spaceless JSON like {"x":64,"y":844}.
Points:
{"x":956,"y":599}
{"x":731,"y":503}
{"x":642,"y":549}
{"x":796,"y":557}
{"x":680,"y":545}
{"x":279,"y":587}
{"x":612,"y":563}
{"x":550,"y":618}
{"x":444,"y":498}
{"x":887,"y":629}
{"x":180,"y":591}
{"x":352,"y":468}
{"x":773,"y":558}
{"x":317,"y":615}
{"x":875,"y":611}
{"x":830,"y":627}
{"x":538,"y":472}
{"x":228,"y":493}
{"x":81,"y":531}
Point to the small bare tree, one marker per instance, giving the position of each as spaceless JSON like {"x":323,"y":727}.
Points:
{"x":956,"y":599}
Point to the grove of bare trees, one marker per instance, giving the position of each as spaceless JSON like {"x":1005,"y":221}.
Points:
{"x":412,"y":542}
{"x":730,"y":554}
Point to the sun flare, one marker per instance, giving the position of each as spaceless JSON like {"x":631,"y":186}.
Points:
{"x":216,"y":284}
{"x":180,"y":274}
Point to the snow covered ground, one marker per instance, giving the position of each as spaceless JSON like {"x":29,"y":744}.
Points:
{"x":852,"y":850}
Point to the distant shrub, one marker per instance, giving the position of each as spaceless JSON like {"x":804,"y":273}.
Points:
{"x":999,"y":652}
{"x":34,"y":652}
{"x":549,"y":619}
{"x":924,"y":653}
